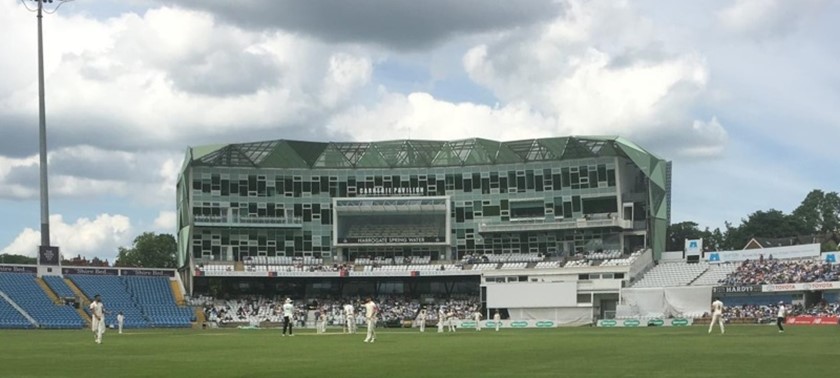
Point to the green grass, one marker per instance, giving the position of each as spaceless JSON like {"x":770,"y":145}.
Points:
{"x":745,"y":351}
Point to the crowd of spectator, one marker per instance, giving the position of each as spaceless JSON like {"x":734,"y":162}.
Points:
{"x":393,"y":310}
{"x":767,"y":313}
{"x":773,"y":271}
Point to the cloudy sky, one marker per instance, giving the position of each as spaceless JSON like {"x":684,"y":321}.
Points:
{"x":741,"y":94}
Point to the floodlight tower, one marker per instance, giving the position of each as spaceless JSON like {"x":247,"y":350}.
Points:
{"x":46,"y":249}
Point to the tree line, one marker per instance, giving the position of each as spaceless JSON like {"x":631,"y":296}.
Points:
{"x":817,"y":216}
{"x":149,"y":250}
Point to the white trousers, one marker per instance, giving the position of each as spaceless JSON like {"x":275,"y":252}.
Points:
{"x":719,"y":319}
{"x":371,"y":332}
{"x":98,"y":329}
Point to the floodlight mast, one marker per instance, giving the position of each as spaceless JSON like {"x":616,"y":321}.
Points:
{"x":42,"y":121}
{"x":42,"y":135}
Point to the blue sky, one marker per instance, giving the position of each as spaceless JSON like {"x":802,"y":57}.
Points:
{"x":740,"y":94}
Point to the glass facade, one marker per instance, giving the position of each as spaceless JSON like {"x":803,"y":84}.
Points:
{"x":552,"y":196}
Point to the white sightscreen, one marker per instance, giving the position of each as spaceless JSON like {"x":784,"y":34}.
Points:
{"x":532,"y":295}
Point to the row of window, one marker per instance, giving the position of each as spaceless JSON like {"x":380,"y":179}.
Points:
{"x":253,"y":185}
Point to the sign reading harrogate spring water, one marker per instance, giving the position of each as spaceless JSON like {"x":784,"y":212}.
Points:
{"x":679,"y":322}
{"x":541,"y":323}
{"x":634,"y":323}
{"x":631,"y":323}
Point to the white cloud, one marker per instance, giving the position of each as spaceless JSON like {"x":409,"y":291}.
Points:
{"x":586,"y":70}
{"x":99,"y":237}
{"x":421,"y":116}
{"x":346,"y":73}
{"x":165,"y":222}
{"x":582,"y":74}
{"x":171,"y":77}
{"x":761,"y":19}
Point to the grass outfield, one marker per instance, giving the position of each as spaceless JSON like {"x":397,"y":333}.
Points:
{"x":745,"y":351}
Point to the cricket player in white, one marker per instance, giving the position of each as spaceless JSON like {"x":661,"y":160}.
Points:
{"x":717,"y":315}
{"x":120,"y":321}
{"x":497,"y":319}
{"x":322,"y":322}
{"x":441,"y":318}
{"x":350,"y":318}
{"x":780,"y":317}
{"x":288,"y":316}
{"x":421,"y":320}
{"x":97,"y":311}
{"x":371,"y":310}
{"x":477,"y":317}
{"x":450,"y":320}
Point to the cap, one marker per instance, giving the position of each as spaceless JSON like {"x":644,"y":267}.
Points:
{"x":288,"y":300}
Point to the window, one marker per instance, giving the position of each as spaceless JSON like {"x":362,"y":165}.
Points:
{"x":584,"y":298}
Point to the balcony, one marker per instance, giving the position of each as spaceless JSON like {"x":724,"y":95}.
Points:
{"x":594,"y":221}
{"x":247,"y":221}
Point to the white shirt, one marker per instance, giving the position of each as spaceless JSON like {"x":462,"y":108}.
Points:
{"x":97,"y":309}
{"x":370,"y":309}
{"x":348,"y":309}
{"x":422,"y":315}
{"x":782,"y":311}
{"x":477,"y":316}
{"x":288,"y":310}
{"x":120,"y":318}
{"x":497,"y":317}
{"x":717,"y":307}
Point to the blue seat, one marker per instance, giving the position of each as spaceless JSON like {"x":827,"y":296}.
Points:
{"x":24,"y":290}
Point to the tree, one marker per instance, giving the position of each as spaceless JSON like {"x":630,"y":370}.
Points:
{"x":16,"y":259}
{"x":713,"y":240}
{"x":678,"y":232}
{"x":149,"y":250}
{"x":819,"y":212}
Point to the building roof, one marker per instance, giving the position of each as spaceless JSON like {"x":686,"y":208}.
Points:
{"x":759,"y":242}
{"x":413,"y":153}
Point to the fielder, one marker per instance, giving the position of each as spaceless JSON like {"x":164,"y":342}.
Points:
{"x":322,"y":322}
{"x":441,"y":319}
{"x":120,"y":321}
{"x":717,"y":315}
{"x":371,"y":310}
{"x":421,"y":320}
{"x":780,"y":317}
{"x":97,"y":323}
{"x":350,"y":318}
{"x":477,"y":317}
{"x":497,"y":319}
